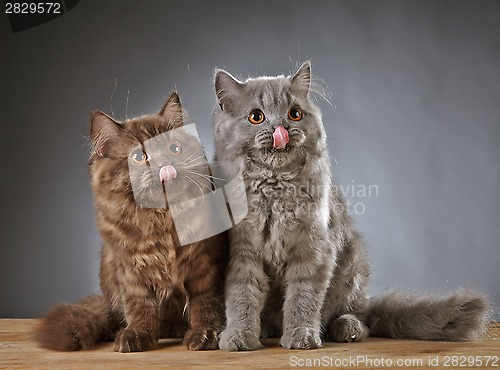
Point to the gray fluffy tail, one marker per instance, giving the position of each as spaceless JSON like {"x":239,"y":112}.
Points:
{"x":460,"y":316}
{"x":69,"y":327}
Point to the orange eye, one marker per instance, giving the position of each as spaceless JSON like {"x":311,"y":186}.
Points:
{"x":295,"y":114}
{"x":138,"y":156}
{"x":256,"y":117}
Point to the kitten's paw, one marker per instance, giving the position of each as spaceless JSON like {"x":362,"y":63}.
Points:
{"x":239,"y":340}
{"x":134,"y":340}
{"x":347,"y":328}
{"x":301,"y":338}
{"x":200,"y":339}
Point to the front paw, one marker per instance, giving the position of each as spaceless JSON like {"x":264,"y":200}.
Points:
{"x":301,"y":338}
{"x":134,"y":340}
{"x":200,"y":339}
{"x":239,"y":340}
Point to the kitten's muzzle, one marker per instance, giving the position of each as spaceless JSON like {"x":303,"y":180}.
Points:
{"x":280,"y":137}
{"x":167,"y":173}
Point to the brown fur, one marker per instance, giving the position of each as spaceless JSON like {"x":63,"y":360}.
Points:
{"x":152,"y":285}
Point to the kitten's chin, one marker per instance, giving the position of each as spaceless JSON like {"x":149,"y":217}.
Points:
{"x":278,"y":158}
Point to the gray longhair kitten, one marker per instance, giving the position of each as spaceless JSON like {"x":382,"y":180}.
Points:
{"x":297,"y":267}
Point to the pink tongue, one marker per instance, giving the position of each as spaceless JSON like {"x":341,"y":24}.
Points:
{"x":167,"y":173}
{"x":280,"y":136}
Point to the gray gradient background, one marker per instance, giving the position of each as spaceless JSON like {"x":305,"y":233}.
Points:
{"x":416,"y":85}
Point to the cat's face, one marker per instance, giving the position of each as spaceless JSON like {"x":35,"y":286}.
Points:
{"x":153,"y":159}
{"x":271,"y":120}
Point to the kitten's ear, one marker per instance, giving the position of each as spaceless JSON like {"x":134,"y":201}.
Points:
{"x":227,"y":88}
{"x":103,"y":130}
{"x":301,"y":80}
{"x":172,"y":111}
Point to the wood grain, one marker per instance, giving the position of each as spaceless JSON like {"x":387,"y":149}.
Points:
{"x":19,"y":351}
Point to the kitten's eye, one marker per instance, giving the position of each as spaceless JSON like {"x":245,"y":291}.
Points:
{"x":138,"y":156}
{"x":295,"y":114}
{"x":256,"y":117}
{"x":175,"y":148}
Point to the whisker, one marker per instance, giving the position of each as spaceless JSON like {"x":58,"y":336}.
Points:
{"x":126,"y":105}
{"x":193,"y":160}
{"x":199,"y":187}
{"x":318,"y":87}
{"x":334,"y":158}
{"x":220,"y":163}
{"x":209,"y":188}
{"x":111,"y":98}
{"x":206,"y":177}
{"x":188,"y":158}
{"x":215,"y":165}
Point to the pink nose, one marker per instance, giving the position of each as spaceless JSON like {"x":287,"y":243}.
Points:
{"x":167,"y":173}
{"x":280,"y":137}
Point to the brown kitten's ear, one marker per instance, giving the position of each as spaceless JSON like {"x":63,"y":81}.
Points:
{"x":227,"y":88}
{"x":172,"y":111}
{"x":103,"y":130}
{"x":301,"y":80}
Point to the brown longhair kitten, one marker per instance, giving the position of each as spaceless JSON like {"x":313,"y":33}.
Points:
{"x":153,"y":286}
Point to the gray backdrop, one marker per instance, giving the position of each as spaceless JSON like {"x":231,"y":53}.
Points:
{"x":416,"y":86}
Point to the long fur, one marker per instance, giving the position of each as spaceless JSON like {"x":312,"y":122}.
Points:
{"x":459,"y":316}
{"x":70,"y":327}
{"x":153,"y":285}
{"x":297,"y":267}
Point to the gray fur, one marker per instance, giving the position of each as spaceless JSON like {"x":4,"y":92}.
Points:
{"x":297,"y":268}
{"x":460,"y":316}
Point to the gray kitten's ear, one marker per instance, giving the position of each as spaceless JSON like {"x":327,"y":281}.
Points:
{"x":227,"y":88}
{"x":103,"y":131}
{"x":301,"y":80}
{"x":172,"y":111}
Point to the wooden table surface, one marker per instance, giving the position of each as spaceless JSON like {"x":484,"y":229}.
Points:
{"x":19,"y":351}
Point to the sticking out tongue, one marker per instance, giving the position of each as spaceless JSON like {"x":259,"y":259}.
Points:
{"x":167,"y":173}
{"x":280,"y":136}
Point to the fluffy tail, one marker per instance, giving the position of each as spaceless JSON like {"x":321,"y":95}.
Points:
{"x":460,"y":316}
{"x":69,"y":327}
